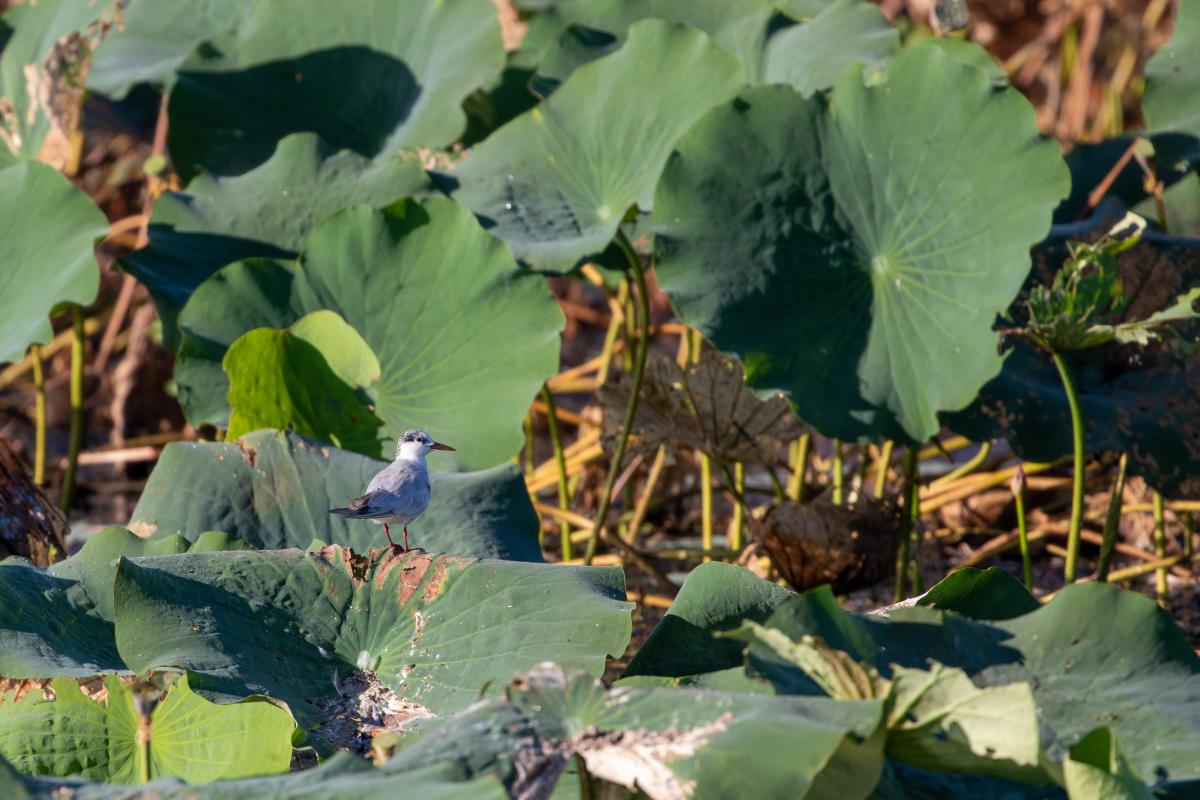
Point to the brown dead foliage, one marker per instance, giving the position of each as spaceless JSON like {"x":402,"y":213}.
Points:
{"x":363,"y":709}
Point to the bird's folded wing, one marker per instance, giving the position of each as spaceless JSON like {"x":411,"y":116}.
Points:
{"x":364,"y":508}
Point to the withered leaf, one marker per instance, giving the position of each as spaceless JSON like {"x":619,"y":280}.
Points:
{"x":706,"y":406}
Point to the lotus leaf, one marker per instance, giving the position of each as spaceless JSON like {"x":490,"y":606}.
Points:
{"x":986,"y":594}
{"x":41,"y":76}
{"x":1172,"y":99}
{"x":556,"y":182}
{"x":59,"y":621}
{"x":881,"y":232}
{"x":423,"y":635}
{"x":123,"y":741}
{"x":1094,"y":653}
{"x":812,"y":57}
{"x":275,"y":490}
{"x":391,"y":75}
{"x":440,"y":302}
{"x":1096,"y":768}
{"x":343,"y":777}
{"x":47,"y":252}
{"x":307,"y":378}
{"x":269,"y":211}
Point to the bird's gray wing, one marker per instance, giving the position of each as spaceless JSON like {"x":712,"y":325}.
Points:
{"x":372,"y":505}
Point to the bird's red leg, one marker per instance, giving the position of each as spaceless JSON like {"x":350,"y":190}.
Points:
{"x":406,"y":538}
{"x":388,"y":534}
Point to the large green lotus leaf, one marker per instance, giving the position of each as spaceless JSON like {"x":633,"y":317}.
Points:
{"x":269,"y":211}
{"x":981,"y":594}
{"x":343,"y":777}
{"x":1141,"y":401}
{"x":308,"y":378}
{"x":593,"y":28}
{"x":46,"y":251}
{"x":556,"y":182}
{"x":879,"y":232}
{"x":155,"y":37}
{"x":425,"y":635}
{"x":811,"y":57}
{"x":47,"y":51}
{"x":185,"y":736}
{"x":275,"y":490}
{"x":714,"y":597}
{"x":1094,"y":654}
{"x":671,"y":743}
{"x":1095,"y":768}
{"x":937,"y":718}
{"x":391,"y":75}
{"x":1172,"y":99}
{"x":59,"y":621}
{"x":440,"y":302}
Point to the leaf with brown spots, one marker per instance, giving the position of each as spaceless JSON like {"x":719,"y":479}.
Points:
{"x":435,"y":631}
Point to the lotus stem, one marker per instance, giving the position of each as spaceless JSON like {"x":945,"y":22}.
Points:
{"x":799,"y":465}
{"x":639,"y":370}
{"x":39,"y":430}
{"x":966,"y":468}
{"x":912,"y":512}
{"x":1018,"y":492}
{"x":586,"y":787}
{"x":76,"y":440}
{"x":837,"y":473}
{"x":780,"y":491}
{"x":564,"y":493}
{"x":706,"y":503}
{"x":1160,"y":549}
{"x":1112,"y":522}
{"x":881,"y":468}
{"x":610,"y":336}
{"x":739,"y":511}
{"x":1189,"y":532}
{"x":527,"y":427}
{"x":1079,"y":464}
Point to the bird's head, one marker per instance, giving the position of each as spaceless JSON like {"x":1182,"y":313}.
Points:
{"x":416,"y":444}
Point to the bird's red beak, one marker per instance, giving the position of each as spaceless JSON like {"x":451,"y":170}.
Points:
{"x":440,"y":446}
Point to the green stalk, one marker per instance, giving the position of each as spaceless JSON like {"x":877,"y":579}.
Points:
{"x":881,"y":468}
{"x":1189,"y":532}
{"x":1077,"y":436}
{"x":610,"y":336}
{"x":1160,"y":549}
{"x":564,"y":493}
{"x":1112,"y":522}
{"x":799,"y":466}
{"x":1018,"y":491}
{"x":912,"y":512}
{"x":76,"y":441}
{"x":587,"y":790}
{"x":739,"y":512}
{"x":527,"y":427}
{"x":706,"y":503}
{"x":780,"y":492}
{"x":39,"y":397}
{"x":837,"y":470}
{"x":967,"y":467}
{"x":639,"y":370}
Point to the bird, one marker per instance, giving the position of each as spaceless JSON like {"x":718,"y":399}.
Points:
{"x":400,"y":492}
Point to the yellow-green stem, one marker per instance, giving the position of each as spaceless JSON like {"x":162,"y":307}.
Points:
{"x":527,"y":426}
{"x":967,"y":467}
{"x":706,"y":503}
{"x":1189,"y":532}
{"x":642,"y":344}
{"x":881,"y":468}
{"x":1018,"y":490}
{"x":610,"y":336}
{"x":76,"y":440}
{"x":1160,"y":549}
{"x":739,"y":513}
{"x":799,"y":466}
{"x":912,"y":512}
{"x":837,"y":473}
{"x":1078,"y":465}
{"x":564,"y":492}
{"x":1112,"y":522}
{"x":39,"y":423}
